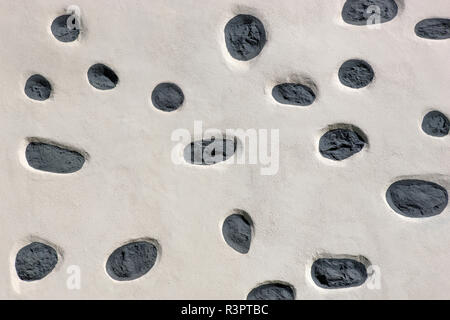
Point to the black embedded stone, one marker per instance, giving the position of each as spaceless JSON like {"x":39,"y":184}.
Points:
{"x":272,"y":291}
{"x":356,"y":74}
{"x":102,"y":77}
{"x":434,"y":29}
{"x":35,"y":261}
{"x":131,"y":261}
{"x":416,"y":198}
{"x":333,"y":273}
{"x":245,"y":37}
{"x":237,"y":232}
{"x":64,"y":30}
{"x":167,"y":97}
{"x":209,"y":152}
{"x":294,"y":94}
{"x":38,"y":88}
{"x":435,"y":124}
{"x":51,"y":158}
{"x":358,"y":12}
{"x":339,"y":144}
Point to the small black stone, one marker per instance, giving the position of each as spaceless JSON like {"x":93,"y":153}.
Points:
{"x":245,"y":37}
{"x":339,"y":144}
{"x":434,"y":29}
{"x":332,"y":273}
{"x":356,"y":74}
{"x":272,"y":291}
{"x":210,"y":151}
{"x":294,"y":94}
{"x":102,"y":77}
{"x":417,"y":198}
{"x":167,"y":97}
{"x":35,"y":261}
{"x":131,"y":261}
{"x":51,"y":158}
{"x":358,"y":12}
{"x":38,"y":88}
{"x":435,"y":124}
{"x":237,"y":232}
{"x":64,"y":30}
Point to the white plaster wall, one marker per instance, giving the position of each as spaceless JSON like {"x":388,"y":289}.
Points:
{"x":131,"y":189}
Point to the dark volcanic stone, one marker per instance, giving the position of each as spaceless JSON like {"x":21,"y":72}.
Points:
{"x":435,"y":124}
{"x":244,"y":37}
{"x":208,"y":152}
{"x":237,"y":232}
{"x":131,"y":261}
{"x":38,"y":88}
{"x":357,"y":12}
{"x":102,"y":77}
{"x":339,"y":144}
{"x":294,"y":94}
{"x":35,"y":261}
{"x":50,"y":158}
{"x":167,"y":97}
{"x":356,"y":74}
{"x":434,"y":29}
{"x":64,"y":30}
{"x":417,"y":198}
{"x":272,"y":291}
{"x":331,"y":273}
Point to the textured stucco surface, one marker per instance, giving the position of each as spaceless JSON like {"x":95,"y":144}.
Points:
{"x":129,"y":189}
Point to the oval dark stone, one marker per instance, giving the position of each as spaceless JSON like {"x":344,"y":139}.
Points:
{"x":38,"y":88}
{"x":435,"y":124}
{"x":356,"y":74}
{"x":272,"y":291}
{"x":245,"y":37}
{"x":64,"y":29}
{"x":434,"y":29}
{"x":51,"y":158}
{"x":339,"y":144}
{"x":237,"y":232}
{"x":417,"y":198}
{"x":363,"y":12}
{"x":131,"y":261}
{"x":294,"y":94}
{"x":334,"y":273}
{"x":35,"y":261}
{"x":210,"y":151}
{"x":167,"y":97}
{"x":102,"y":77}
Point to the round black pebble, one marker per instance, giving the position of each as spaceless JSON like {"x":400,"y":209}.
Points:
{"x":131,"y":261}
{"x":245,"y":37}
{"x":331,"y":273}
{"x":102,"y":77}
{"x":35,"y":261}
{"x":272,"y":291}
{"x":414,"y":198}
{"x":293,"y":94}
{"x":209,"y":151}
{"x":340,"y":144}
{"x":363,"y":12}
{"x":356,"y":74}
{"x":38,"y":88}
{"x":435,"y":124}
{"x":167,"y":97}
{"x":64,"y":30}
{"x":433,"y":29}
{"x":237,"y":232}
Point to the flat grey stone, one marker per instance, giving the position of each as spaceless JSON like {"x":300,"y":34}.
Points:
{"x":356,"y":74}
{"x":38,"y":88}
{"x":102,"y":77}
{"x":434,"y":29}
{"x":272,"y":291}
{"x":64,"y":30}
{"x":435,"y":124}
{"x":294,"y":94}
{"x":35,"y":261}
{"x":209,"y":151}
{"x":333,"y":273}
{"x":237,"y":232}
{"x":358,"y":12}
{"x":340,"y":144}
{"x":167,"y":97}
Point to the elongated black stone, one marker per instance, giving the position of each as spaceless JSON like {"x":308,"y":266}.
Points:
{"x":434,"y":29}
{"x":209,"y":151}
{"x":293,"y":94}
{"x":35,"y":261}
{"x":334,"y":273}
{"x":272,"y":291}
{"x":363,"y":12}
{"x":339,"y":144}
{"x":237,"y":232}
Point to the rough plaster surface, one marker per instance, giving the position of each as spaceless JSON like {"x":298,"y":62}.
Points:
{"x":130,"y":189}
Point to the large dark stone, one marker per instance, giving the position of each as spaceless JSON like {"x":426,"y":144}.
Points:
{"x":272,"y":291}
{"x":38,"y":88}
{"x":359,"y":12}
{"x":167,"y":97}
{"x":64,"y":29}
{"x":333,"y":273}
{"x":356,"y":74}
{"x":244,"y":37}
{"x":434,"y":29}
{"x":339,"y":144}
{"x":131,"y":261}
{"x":435,"y":124}
{"x":209,"y":151}
{"x":35,"y":261}
{"x":237,"y":232}
{"x":294,"y":94}
{"x":417,"y":198}
{"x":102,"y":77}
